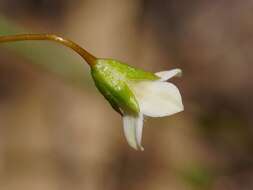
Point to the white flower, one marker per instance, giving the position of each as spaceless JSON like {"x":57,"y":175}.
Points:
{"x":156,"y":99}
{"x":135,"y":93}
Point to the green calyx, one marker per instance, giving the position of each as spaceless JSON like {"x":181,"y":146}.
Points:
{"x":112,"y":79}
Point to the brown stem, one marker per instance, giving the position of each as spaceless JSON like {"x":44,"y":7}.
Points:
{"x":89,"y":58}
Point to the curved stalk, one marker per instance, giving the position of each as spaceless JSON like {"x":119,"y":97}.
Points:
{"x":89,"y":58}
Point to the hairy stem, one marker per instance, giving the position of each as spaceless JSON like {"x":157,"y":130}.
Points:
{"x":89,"y":58}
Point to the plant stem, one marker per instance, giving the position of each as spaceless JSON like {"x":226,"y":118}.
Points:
{"x":89,"y":58}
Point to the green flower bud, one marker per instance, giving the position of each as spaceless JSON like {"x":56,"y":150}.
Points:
{"x":112,"y":78}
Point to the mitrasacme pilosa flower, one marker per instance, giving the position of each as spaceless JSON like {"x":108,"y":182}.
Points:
{"x":132,"y":92}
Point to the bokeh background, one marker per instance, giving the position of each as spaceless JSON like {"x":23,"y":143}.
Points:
{"x":58,"y":133}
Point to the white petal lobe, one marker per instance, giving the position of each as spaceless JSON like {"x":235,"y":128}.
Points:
{"x":133,"y":126}
{"x":139,"y":129}
{"x":158,"y":99}
{"x":166,"y":75}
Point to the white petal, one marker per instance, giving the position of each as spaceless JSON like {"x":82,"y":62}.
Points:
{"x":132,"y":126}
{"x":139,"y":129}
{"x":158,"y":99}
{"x":166,"y":75}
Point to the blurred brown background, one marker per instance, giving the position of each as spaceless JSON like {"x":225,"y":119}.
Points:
{"x":58,"y":133}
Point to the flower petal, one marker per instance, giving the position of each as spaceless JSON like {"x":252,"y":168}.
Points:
{"x":158,"y":99}
{"x":133,"y":126}
{"x":166,"y":75}
{"x":139,"y":129}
